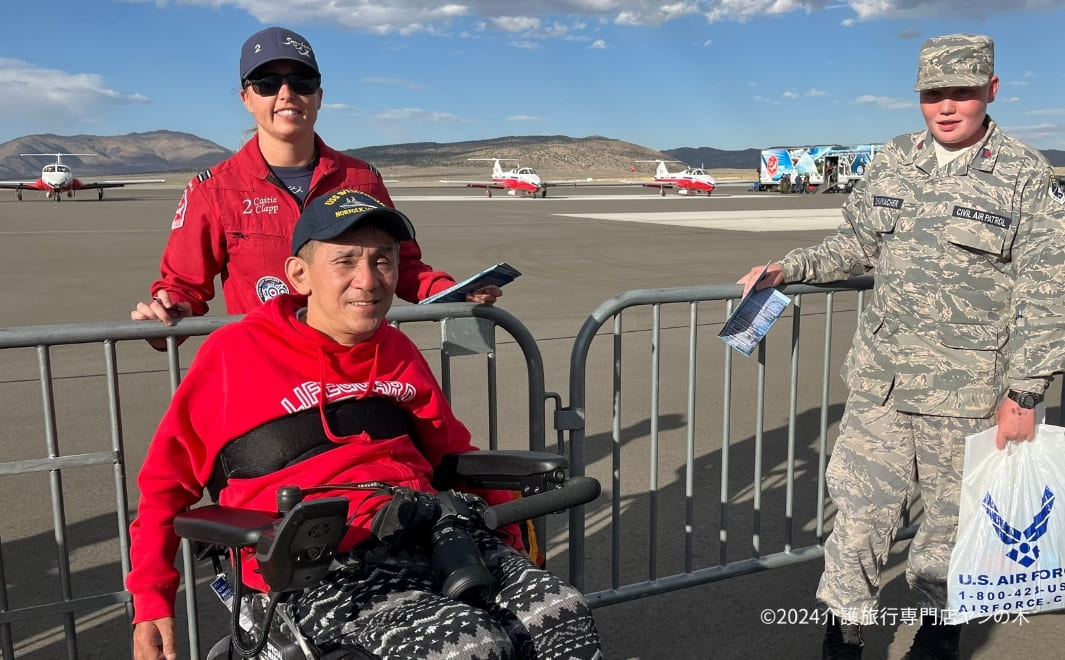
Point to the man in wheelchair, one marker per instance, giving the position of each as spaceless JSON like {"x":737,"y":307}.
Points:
{"x":315,"y":391}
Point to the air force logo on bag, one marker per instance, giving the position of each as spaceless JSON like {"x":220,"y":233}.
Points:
{"x":270,"y":287}
{"x":1026,"y":551}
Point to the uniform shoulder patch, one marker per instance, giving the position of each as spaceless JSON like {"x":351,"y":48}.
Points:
{"x":373,"y":169}
{"x":1056,"y":190}
{"x":203,"y":176}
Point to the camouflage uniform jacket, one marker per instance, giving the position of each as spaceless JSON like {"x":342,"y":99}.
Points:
{"x":969,"y":274}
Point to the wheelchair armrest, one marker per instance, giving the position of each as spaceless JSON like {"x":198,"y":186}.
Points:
{"x":223,"y":525}
{"x":526,"y":471}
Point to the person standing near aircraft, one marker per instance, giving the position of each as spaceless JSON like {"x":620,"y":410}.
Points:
{"x":964,"y":230}
{"x":236,"y":218}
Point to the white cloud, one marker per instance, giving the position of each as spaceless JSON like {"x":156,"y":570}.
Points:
{"x":342,"y":107}
{"x":973,"y":9}
{"x":416,"y":115}
{"x":762,"y":99}
{"x":790,"y":95}
{"x":437,"y":16}
{"x":1010,"y":99}
{"x":527,"y":45}
{"x":1047,"y":134}
{"x":1047,"y":112}
{"x":51,"y":95}
{"x":884,"y":102}
{"x":816,"y":92}
{"x":708,"y":42}
{"x":598,"y":44}
{"x":400,"y":82}
{"x":524,"y":118}
{"x":515,"y":23}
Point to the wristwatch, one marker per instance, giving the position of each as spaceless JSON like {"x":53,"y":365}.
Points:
{"x":1027,"y":400}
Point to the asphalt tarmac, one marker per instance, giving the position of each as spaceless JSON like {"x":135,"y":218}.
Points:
{"x":82,"y":260}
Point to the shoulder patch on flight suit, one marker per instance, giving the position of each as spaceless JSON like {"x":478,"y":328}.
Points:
{"x":373,"y":169}
{"x":203,"y":176}
{"x":1055,"y":190}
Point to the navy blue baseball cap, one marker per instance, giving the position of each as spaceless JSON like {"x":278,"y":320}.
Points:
{"x":329,"y":216}
{"x":272,"y":44}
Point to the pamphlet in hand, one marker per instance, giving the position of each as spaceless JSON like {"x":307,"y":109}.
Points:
{"x":753,"y":316}
{"x":500,"y":274}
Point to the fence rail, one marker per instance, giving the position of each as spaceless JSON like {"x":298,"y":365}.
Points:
{"x":700,"y":453}
{"x":465,"y":329}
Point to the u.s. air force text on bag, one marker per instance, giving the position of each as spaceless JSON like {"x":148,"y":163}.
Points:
{"x":1011,"y":531}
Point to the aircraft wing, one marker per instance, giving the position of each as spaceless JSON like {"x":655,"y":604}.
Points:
{"x":650,"y":184}
{"x":15,"y":185}
{"x":474,"y":184}
{"x":118,"y":183}
{"x":584,"y":182}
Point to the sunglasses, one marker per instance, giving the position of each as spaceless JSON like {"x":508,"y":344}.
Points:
{"x":270,"y":84}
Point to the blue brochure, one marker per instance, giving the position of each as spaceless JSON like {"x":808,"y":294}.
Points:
{"x":752,"y":318}
{"x":499,"y":275}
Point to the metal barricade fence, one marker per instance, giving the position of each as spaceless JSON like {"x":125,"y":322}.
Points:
{"x":658,"y":521}
{"x":659,"y":465}
{"x":685,"y":443}
{"x":39,"y":614}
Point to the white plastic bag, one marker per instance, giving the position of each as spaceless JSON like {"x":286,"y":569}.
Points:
{"x":1011,"y":528}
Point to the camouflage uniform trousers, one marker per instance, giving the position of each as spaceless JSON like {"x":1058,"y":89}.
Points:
{"x":879,"y":454}
{"x":384,"y":601}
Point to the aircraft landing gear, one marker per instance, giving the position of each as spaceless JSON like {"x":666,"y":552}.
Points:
{"x":487,"y":192}
{"x":99,"y":194}
{"x":661,"y":192}
{"x":18,"y":194}
{"x":543,"y":193}
{"x":58,"y":196}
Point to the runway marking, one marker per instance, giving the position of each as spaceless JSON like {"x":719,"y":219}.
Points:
{"x":758,"y":221}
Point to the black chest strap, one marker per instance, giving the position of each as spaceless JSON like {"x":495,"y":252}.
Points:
{"x":288,"y":440}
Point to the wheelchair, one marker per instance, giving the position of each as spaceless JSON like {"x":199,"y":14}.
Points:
{"x":295,"y":546}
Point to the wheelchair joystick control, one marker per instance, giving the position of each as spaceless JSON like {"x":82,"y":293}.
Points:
{"x":288,"y":497}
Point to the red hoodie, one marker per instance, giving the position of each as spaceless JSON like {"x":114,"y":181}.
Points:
{"x":236,"y":219}
{"x":224,"y":396}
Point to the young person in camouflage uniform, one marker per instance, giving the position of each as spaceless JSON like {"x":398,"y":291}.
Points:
{"x":963,"y":228}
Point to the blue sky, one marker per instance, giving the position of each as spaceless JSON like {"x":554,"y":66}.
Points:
{"x":730,"y":74}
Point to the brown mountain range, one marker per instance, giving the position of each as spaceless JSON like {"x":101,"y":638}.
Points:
{"x":553,"y":155}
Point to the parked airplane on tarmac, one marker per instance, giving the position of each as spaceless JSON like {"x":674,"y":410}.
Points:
{"x":689,"y":181}
{"x":518,"y":181}
{"x":56,"y":178}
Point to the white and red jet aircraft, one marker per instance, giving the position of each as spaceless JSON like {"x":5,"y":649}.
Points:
{"x":56,"y":178}
{"x":689,"y":181}
{"x":518,"y":181}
